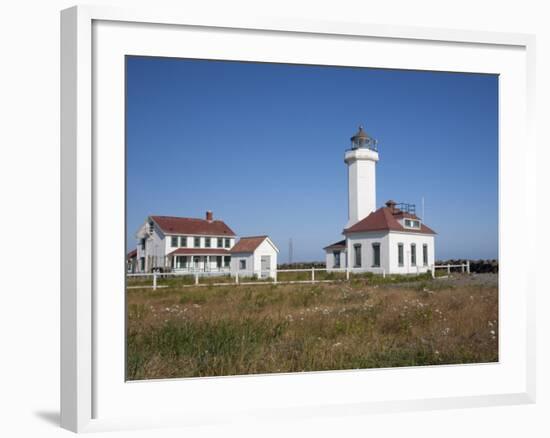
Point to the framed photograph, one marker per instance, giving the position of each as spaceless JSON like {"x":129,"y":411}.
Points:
{"x":283,"y":219}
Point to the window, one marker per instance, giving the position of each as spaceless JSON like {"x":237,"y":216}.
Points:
{"x":425,"y":254}
{"x":376,"y":255}
{"x":220,"y":242}
{"x":143,"y":244}
{"x":242,"y":264}
{"x":207,"y":242}
{"x":409,"y":223}
{"x":219,"y":261}
{"x":174,"y":242}
{"x":400,"y":258}
{"x":181,"y":262}
{"x":227,"y":243}
{"x":183,"y":241}
{"x":357,"y":252}
{"x":413,"y":254}
{"x":226,"y":262}
{"x":197,"y":242}
{"x":336,"y":259}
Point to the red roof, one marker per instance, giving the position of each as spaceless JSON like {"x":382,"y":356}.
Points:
{"x":187,"y":225}
{"x":403,"y":214}
{"x":132,"y":254}
{"x":337,"y":245}
{"x":200,"y":251}
{"x":385,"y":219}
{"x":248,"y":244}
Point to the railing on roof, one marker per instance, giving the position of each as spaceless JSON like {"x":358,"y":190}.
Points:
{"x":407,"y":208}
{"x":370,"y":143}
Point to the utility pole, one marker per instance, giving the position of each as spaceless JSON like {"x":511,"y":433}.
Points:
{"x":290,"y":251}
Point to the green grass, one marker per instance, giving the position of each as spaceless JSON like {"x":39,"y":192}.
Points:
{"x":367,"y":322}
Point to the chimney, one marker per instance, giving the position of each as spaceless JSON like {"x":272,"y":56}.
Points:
{"x":209,"y":216}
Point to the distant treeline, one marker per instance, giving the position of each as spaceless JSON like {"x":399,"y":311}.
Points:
{"x":301,"y":265}
{"x":478,"y":266}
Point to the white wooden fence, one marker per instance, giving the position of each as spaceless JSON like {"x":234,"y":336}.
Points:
{"x":248,"y":277}
{"x":465,"y":268}
{"x":271,"y":277}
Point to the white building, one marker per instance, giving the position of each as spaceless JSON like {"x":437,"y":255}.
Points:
{"x":390,"y":239}
{"x":189,"y":245}
{"x":254,"y":256}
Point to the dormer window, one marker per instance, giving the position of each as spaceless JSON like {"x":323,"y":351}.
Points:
{"x":411,"y":223}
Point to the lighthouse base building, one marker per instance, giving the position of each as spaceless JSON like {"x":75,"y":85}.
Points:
{"x":389,"y":240}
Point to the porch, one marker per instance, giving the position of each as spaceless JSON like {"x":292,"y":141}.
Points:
{"x":200,"y":263}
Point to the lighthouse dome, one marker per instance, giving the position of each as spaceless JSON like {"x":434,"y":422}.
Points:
{"x":363,"y":140}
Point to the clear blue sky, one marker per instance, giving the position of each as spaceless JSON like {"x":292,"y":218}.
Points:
{"x":262,"y":145}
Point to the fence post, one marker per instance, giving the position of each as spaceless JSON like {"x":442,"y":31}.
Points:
{"x":448,"y":269}
{"x":312,"y":274}
{"x":154,"y":281}
{"x":275,"y":277}
{"x":383,"y":273}
{"x":463,"y":265}
{"x":468,"y":266}
{"x":347,"y":273}
{"x":196,"y":278}
{"x":236,"y":278}
{"x":433,"y":271}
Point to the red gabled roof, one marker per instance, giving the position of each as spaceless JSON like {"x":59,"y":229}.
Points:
{"x":247,"y":244}
{"x":386,"y":219}
{"x":187,"y":225}
{"x":132,"y":254}
{"x":199,"y":251}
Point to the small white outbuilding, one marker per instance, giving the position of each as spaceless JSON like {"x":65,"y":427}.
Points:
{"x":254,"y":256}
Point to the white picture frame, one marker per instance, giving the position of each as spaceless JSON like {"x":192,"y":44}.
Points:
{"x":93,"y":397}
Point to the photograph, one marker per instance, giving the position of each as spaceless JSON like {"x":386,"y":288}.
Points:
{"x":288,"y":218}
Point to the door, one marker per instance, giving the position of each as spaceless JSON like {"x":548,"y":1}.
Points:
{"x":265,"y":263}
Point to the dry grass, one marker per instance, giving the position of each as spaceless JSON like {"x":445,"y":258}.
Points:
{"x":230,"y":330}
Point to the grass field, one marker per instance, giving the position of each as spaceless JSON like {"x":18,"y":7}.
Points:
{"x":364,"y":323}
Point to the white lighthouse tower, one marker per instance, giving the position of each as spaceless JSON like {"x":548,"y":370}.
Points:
{"x":361,"y":160}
